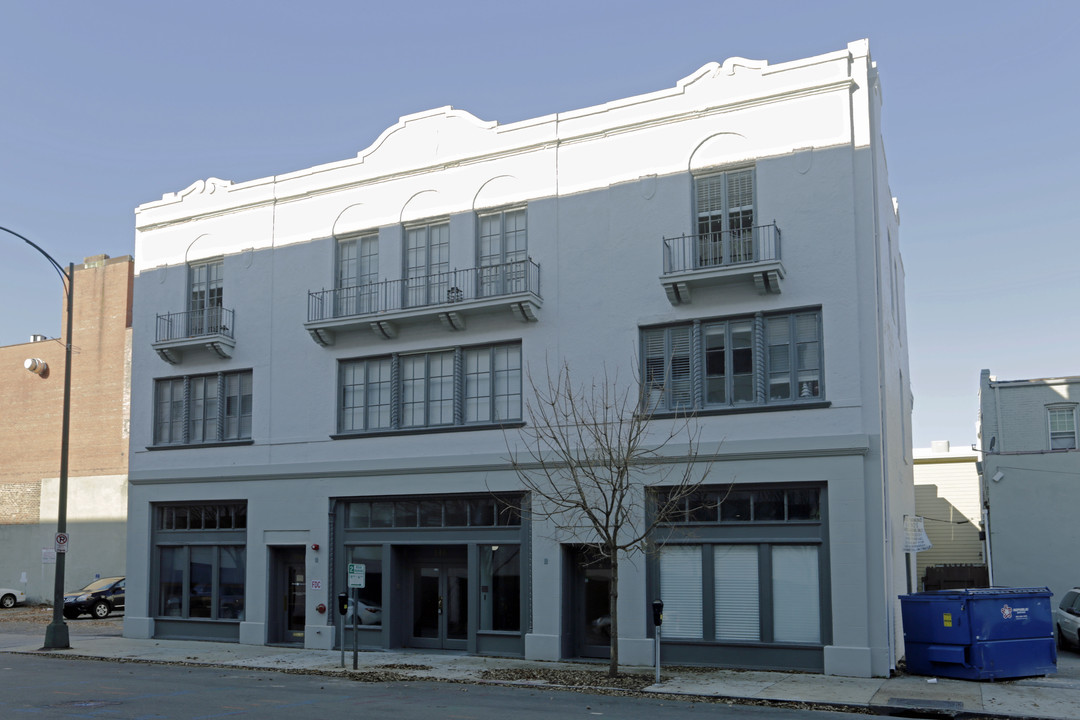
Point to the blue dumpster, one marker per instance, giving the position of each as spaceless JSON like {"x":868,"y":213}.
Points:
{"x":980,"y":634}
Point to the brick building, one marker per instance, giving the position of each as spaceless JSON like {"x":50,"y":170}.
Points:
{"x":31,"y":409}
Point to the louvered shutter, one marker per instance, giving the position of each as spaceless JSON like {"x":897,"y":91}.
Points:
{"x":679,"y":379}
{"x":737,"y":601}
{"x":655,"y":370}
{"x":680,"y":590}
{"x":710,"y":195}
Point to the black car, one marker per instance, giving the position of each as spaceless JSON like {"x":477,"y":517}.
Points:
{"x":98,"y":599}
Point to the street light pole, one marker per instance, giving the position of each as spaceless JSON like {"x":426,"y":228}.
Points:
{"x":56,"y":634}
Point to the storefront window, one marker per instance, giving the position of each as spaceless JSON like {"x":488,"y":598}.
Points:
{"x":680,"y":589}
{"x":737,"y":578}
{"x":171,"y":583}
{"x":370,"y":607}
{"x":201,"y":564}
{"x":231,"y":574}
{"x":795,"y":594}
{"x":500,"y":587}
{"x":201,"y":581}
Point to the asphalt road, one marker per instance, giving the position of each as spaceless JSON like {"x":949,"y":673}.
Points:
{"x":49,"y":687}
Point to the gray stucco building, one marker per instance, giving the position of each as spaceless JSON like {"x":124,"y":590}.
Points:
{"x":329,"y":364}
{"x":1030,"y":479}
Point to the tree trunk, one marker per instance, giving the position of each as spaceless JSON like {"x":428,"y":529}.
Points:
{"x":613,"y":610}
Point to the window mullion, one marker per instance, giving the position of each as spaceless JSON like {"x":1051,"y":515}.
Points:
{"x":395,"y":391}
{"x":708,"y":589}
{"x":220,"y":419}
{"x":765,"y":591}
{"x":697,"y":367}
{"x":215,"y":582}
{"x":185,"y":596}
{"x":729,"y":365}
{"x":669,"y":362}
{"x":758,"y":343}
{"x":459,"y":386}
{"x":186,"y":432}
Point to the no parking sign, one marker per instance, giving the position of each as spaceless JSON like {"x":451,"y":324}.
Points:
{"x":61,"y":542}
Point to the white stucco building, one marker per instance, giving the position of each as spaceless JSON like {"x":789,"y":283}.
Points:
{"x":1030,"y":479}
{"x":329,"y":363}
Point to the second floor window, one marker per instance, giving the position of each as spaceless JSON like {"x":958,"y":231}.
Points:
{"x":461,"y":386}
{"x":502,"y":252}
{"x":356,"y":274}
{"x":762,"y":359}
{"x":1062,"y":422}
{"x":198,"y":409}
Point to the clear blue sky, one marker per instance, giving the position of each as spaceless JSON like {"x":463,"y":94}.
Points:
{"x":107,"y":105}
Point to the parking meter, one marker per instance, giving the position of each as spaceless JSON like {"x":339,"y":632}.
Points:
{"x":657,"y":618}
{"x":343,"y":603}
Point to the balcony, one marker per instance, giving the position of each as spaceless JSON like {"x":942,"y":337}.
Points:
{"x":207,"y":329}
{"x":720,"y":258}
{"x":450,"y":297}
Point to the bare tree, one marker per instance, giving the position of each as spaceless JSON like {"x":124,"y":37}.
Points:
{"x":587,"y":456}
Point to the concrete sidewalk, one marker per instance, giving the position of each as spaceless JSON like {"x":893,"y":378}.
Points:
{"x":1052,"y":696}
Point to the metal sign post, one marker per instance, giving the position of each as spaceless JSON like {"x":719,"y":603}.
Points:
{"x":357,"y":580}
{"x":355,"y":602}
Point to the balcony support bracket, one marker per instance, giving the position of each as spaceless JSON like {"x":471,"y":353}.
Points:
{"x":452,"y":320}
{"x":322,"y":336}
{"x":523,"y":311}
{"x":170,"y":355}
{"x":222,"y":350}
{"x":678,"y":293}
{"x":768,"y":282}
{"x":385,"y":329}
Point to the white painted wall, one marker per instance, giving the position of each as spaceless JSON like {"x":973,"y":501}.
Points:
{"x":603,"y":185}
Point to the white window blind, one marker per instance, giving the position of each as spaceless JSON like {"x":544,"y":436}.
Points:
{"x":796,"y":604}
{"x":737,"y":602}
{"x":680,"y":590}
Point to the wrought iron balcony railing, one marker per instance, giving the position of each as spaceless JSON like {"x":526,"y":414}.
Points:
{"x":721,"y":249}
{"x":445,"y":288}
{"x":194,"y":324}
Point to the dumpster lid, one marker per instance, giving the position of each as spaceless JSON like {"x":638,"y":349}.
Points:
{"x":983,"y":592}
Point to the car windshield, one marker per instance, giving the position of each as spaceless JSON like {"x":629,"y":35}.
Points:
{"x":99,"y":584}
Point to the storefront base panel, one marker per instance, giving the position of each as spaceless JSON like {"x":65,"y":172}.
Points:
{"x":141,"y":628}
{"x":500,"y":644}
{"x":636,"y":651}
{"x":319,"y":637}
{"x":252,"y":633}
{"x":542,"y":647}
{"x":367,"y":638}
{"x":744,"y":657}
{"x":196,"y":630}
{"x":849,"y":661}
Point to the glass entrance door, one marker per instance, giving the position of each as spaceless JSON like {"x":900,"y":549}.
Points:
{"x":591,"y":619}
{"x":287,"y":595}
{"x":440,"y":606}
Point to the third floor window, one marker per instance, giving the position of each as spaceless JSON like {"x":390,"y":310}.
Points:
{"x":427,"y":264}
{"x":502,"y":252}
